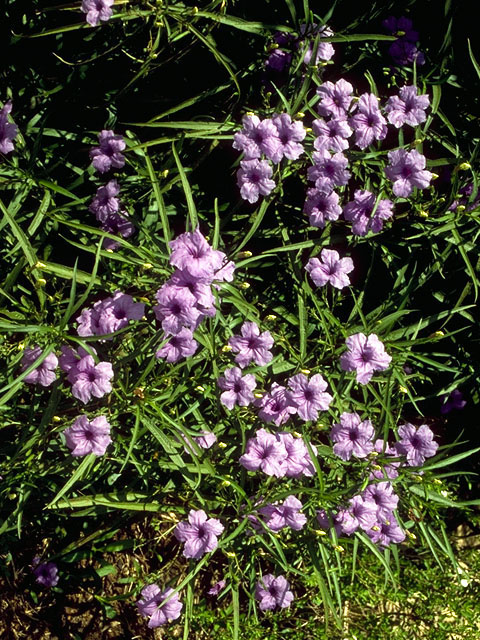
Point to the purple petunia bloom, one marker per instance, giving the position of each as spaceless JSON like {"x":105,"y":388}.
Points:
{"x":366,"y":214}
{"x":85,"y":437}
{"x":290,"y":135}
{"x":368,"y":123}
{"x":352,"y":436}
{"x":328,"y":171}
{"x":407,"y":170}
{"x":383,"y":496}
{"x":386,"y":531}
{"x":265,"y":453}
{"x":330,"y":269}
{"x":308,"y":396}
{"x":192,"y":253}
{"x":160,"y":606}
{"x":107,"y":155}
{"x":335,"y":98}
{"x":331,"y":135}
{"x":273,"y":592}
{"x":44,"y":374}
{"x":275,"y":406}
{"x":365,"y":355}
{"x":97,"y":10}
{"x":286,"y":514}
{"x":407,"y":107}
{"x":237,"y":389}
{"x":46,"y":573}
{"x":254,"y":179}
{"x":416,"y":443}
{"x":321,"y":207}
{"x":105,"y":201}
{"x":252,"y":346}
{"x":89,"y":379}
{"x":199,"y":534}
{"x":176,"y":309}
{"x":453,"y":401}
{"x":298,"y":461}
{"x":257,"y":137}
{"x":324,"y":50}
{"x":8,"y":130}
{"x":217,"y":588}
{"x":179,"y":346}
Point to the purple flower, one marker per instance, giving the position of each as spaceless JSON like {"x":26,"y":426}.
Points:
{"x":386,"y":532}
{"x":328,"y":171}
{"x":298,"y":461}
{"x":97,"y":10}
{"x":257,"y":137}
{"x":383,"y":496}
{"x":278,"y":60}
{"x":85,"y":437}
{"x":286,"y":514}
{"x":117,"y":224}
{"x":401,"y":27}
{"x":335,"y":98}
{"x":109,"y":315}
{"x":192,"y":253}
{"x":416,"y":443}
{"x":205,"y":441}
{"x":389,"y":470}
{"x":327,"y":519}
{"x":308,"y":395}
{"x":105,"y":201}
{"x":179,"y":346}
{"x":69,"y":357}
{"x":365,"y":355}
{"x":321,"y":207}
{"x":46,"y":573}
{"x":275,"y":406}
{"x":217,"y":588}
{"x":366,"y":214}
{"x":331,"y":268}
{"x":368,"y":123}
{"x":176,"y":309}
{"x":44,"y":374}
{"x":89,"y":379}
{"x":266,"y":453}
{"x":360,"y":513}
{"x":237,"y":389}
{"x":324,"y":50}
{"x":273,"y":592}
{"x":453,"y":401}
{"x":407,"y":107}
{"x":332,"y":135}
{"x":108,"y":155}
{"x":199,"y":287}
{"x":407,"y":170}
{"x":160,"y":606}
{"x":290,"y":135}
{"x":352,"y":436}
{"x":252,"y":346}
{"x":254,"y":179}
{"x":405,"y":52}
{"x":199,"y":534}
{"x":8,"y":130}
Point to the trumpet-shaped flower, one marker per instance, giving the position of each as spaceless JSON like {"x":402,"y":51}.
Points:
{"x":199,"y":534}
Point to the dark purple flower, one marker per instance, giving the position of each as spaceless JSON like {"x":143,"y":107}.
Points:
{"x":266,"y":453}
{"x":386,"y":531}
{"x":366,"y":214}
{"x":108,"y":155}
{"x":97,"y":10}
{"x":105,"y":201}
{"x":237,"y":389}
{"x":46,"y":573}
{"x":416,"y":443}
{"x":278,"y":60}
{"x":199,"y":534}
{"x":405,"y":52}
{"x":368,"y":123}
{"x":275,"y":406}
{"x":176,"y":309}
{"x":251,"y":345}
{"x":44,"y":374}
{"x":182,"y":345}
{"x":89,"y":379}
{"x":257,"y":137}
{"x":328,"y":171}
{"x":453,"y":401}
{"x":287,"y":514}
{"x":331,"y":135}
{"x":407,"y":170}
{"x":8,"y":130}
{"x":321,"y":207}
{"x":335,"y":98}
{"x":330,"y":269}
{"x":365,"y":355}
{"x":308,"y":395}
{"x":160,"y":606}
{"x":383,"y":496}
{"x":217,"y":588}
{"x":352,"y":436}
{"x":290,"y":135}
{"x":407,"y":107}
{"x":402,"y":27}
{"x":85,"y":437}
{"x":192,"y":253}
{"x":254,"y":179}
{"x":273,"y":592}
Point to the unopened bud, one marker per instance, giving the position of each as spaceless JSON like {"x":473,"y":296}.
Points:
{"x":258,"y":394}
{"x":437,"y":481}
{"x":423,"y":214}
{"x":320,"y":532}
{"x":147,"y":265}
{"x":199,"y":388}
{"x":226,"y":483}
{"x":222,"y":445}
{"x":434,"y":176}
{"x":461,"y":207}
{"x":56,"y":419}
{"x":164,"y":173}
{"x":464,"y":166}
{"x":41,"y":282}
{"x":244,"y":285}
{"x":376,"y":467}
{"x":373,"y":454}
{"x":39,"y":265}
{"x":339,"y":548}
{"x":300,"y":115}
{"x":270,"y":317}
{"x":402,"y":389}
{"x":139,"y":392}
{"x":305,"y":371}
{"x":250,"y":113}
{"x":226,"y":348}
{"x":437,"y":334}
{"x":195,"y":10}
{"x":417,"y":141}
{"x":411,"y":535}
{"x":308,"y":129}
{"x":295,"y":434}
{"x":244,"y":254}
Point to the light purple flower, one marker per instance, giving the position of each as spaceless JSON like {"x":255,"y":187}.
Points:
{"x":192,"y":253}
{"x":368,"y":123}
{"x":44,"y":374}
{"x":386,"y":531}
{"x":275,"y":406}
{"x":407,"y":170}
{"x":273,"y":592}
{"x":286,"y":514}
{"x":85,"y":437}
{"x":160,"y":606}
{"x":330,"y":269}
{"x":205,"y":441}
{"x":254,"y":179}
{"x":416,"y":443}
{"x":298,"y":461}
{"x":407,"y":107}
{"x":257,"y":137}
{"x":265,"y":453}
{"x":117,"y":224}
{"x":308,"y":396}
{"x":109,"y":315}
{"x":46,"y":573}
{"x":328,"y":519}
{"x":290,"y":135}
{"x":331,"y":135}
{"x":278,"y":60}
{"x":199,"y":534}
{"x":389,"y":470}
{"x":97,"y":10}
{"x":364,"y":215}
{"x":176,"y":309}
{"x":453,"y":401}
{"x":105,"y":201}
{"x":324,"y":50}
{"x":107,"y":155}
{"x":237,"y":389}
{"x":360,"y":514}
{"x":335,"y":98}
{"x":383,"y":496}
{"x":199,"y":287}
{"x":89,"y":379}
{"x":321,"y":207}
{"x":365,"y":355}
{"x":328,"y":171}
{"x":251,"y":345}
{"x":217,"y":588}
{"x":352,"y":436}
{"x":69,"y":357}
{"x":179,"y":346}
{"x":8,"y":130}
